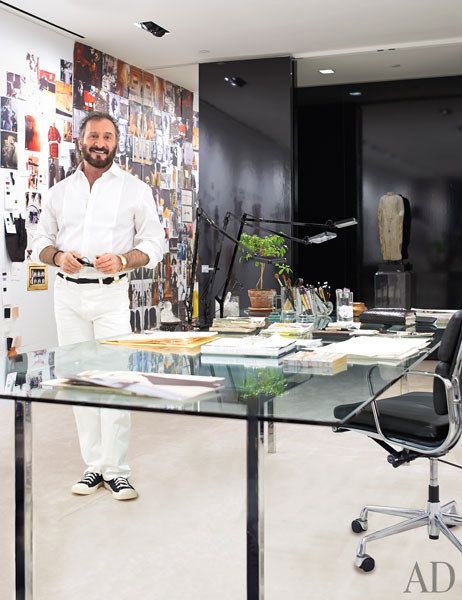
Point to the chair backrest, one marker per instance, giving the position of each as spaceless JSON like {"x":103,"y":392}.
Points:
{"x":447,"y":356}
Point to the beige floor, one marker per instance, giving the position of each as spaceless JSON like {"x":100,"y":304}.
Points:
{"x":184,"y":538}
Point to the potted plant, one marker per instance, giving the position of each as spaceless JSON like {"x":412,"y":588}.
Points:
{"x":269,"y":246}
{"x":263,"y":383}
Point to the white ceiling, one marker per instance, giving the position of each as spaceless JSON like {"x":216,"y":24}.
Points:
{"x":427,"y":34}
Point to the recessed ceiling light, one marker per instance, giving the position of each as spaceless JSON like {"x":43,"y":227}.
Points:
{"x":204,"y":51}
{"x":355,"y":93}
{"x":326,"y":71}
{"x":395,"y":66}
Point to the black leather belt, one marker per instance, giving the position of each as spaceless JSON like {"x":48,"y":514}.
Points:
{"x":106,"y":280}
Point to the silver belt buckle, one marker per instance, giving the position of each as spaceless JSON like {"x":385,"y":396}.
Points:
{"x":116,"y":279}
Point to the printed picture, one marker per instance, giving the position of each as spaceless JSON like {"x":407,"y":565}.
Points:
{"x":123,"y":79}
{"x":109,"y":81}
{"x":47,"y":82}
{"x":64,"y":99}
{"x":148,"y":88}
{"x":9,"y":142}
{"x":15,"y":85}
{"x":67,"y":130}
{"x":135,"y":84}
{"x":88,"y":67}
{"x":65,"y":73}
{"x":9,"y":115}
{"x":158,"y":94}
{"x":102,"y":100}
{"x":37,"y":277}
{"x":32,"y":137}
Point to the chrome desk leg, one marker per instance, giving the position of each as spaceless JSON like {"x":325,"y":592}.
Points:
{"x":255,"y":523}
{"x":23,"y":500}
{"x":271,"y":430}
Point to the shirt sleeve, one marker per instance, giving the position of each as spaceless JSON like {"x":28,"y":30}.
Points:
{"x":47,"y":228}
{"x":149,"y":233}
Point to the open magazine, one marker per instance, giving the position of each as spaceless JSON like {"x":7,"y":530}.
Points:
{"x":156,"y":385}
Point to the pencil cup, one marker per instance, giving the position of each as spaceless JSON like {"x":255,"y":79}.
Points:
{"x":288,"y":305}
{"x":344,"y":306}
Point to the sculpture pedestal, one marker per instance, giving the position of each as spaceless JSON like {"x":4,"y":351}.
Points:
{"x":392,"y":285}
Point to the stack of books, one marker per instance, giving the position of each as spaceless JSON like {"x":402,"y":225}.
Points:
{"x":255,"y":345}
{"x":237,"y":324}
{"x":388,"y":316}
{"x":379,"y":349}
{"x":439,"y":317}
{"x":296,"y":330}
{"x":162,"y":340}
{"x":321,"y":361}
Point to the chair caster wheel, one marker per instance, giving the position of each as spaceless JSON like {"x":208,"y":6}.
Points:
{"x":366,"y":563}
{"x":358,"y":526}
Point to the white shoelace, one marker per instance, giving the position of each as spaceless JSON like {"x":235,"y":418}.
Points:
{"x":89,"y":478}
{"x":121,"y":482}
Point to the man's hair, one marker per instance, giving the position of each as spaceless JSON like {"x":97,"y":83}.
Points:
{"x":97,"y":116}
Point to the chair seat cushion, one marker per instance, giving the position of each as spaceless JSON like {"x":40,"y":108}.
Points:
{"x":409,"y":417}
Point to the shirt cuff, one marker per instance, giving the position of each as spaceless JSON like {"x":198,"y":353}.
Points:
{"x":152,"y":250}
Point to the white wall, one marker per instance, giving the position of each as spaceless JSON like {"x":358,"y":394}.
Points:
{"x":19,"y":36}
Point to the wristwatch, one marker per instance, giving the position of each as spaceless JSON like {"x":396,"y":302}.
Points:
{"x":123,"y":260}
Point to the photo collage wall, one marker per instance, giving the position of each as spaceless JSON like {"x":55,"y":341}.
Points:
{"x":159,"y":144}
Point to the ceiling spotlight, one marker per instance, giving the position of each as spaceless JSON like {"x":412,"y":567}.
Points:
{"x":152,"y":27}
{"x":204,"y":51}
{"x":326,"y":71}
{"x":355,"y":93}
{"x":395,"y":66}
{"x":235,"y":81}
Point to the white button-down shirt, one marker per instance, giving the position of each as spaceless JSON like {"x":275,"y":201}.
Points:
{"x":117,"y":215}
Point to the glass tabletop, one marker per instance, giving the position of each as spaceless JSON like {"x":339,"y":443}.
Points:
{"x":249,"y":389}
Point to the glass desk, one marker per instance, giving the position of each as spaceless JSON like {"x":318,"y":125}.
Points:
{"x":251,"y":393}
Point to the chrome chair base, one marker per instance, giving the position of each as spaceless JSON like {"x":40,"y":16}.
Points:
{"x":436,"y":517}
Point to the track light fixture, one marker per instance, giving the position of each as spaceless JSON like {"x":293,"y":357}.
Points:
{"x":152,"y":27}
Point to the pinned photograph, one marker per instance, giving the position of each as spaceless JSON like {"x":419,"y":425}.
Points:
{"x":135,"y":119}
{"x":148,"y":88}
{"x":159,"y":87}
{"x":15,"y":85}
{"x":135,"y":84}
{"x":109,"y":81}
{"x":88,"y":67}
{"x":9,"y":142}
{"x":67,"y":130}
{"x":47,"y":82}
{"x":37,"y":277}
{"x":64,"y":99}
{"x":32,"y":137}
{"x":123,"y":78}
{"x":169,"y":98}
{"x":114,"y":106}
{"x":9,"y":114}
{"x":102,"y":100}
{"x":66,"y":71}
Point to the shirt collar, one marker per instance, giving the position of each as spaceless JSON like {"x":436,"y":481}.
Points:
{"x":114,"y":170}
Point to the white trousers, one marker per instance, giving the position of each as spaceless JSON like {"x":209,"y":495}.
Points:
{"x":85,"y":312}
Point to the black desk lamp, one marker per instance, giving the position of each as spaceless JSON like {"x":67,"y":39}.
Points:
{"x":203,"y":217}
{"x":329,"y":228}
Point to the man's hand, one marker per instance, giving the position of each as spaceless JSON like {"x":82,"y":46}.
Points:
{"x":67,"y":262}
{"x":108,"y":263}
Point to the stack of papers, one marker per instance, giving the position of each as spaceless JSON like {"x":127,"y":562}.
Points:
{"x":163,"y":339}
{"x":156,"y":385}
{"x":379,"y":349}
{"x":296,"y":330}
{"x":237,"y":324}
{"x":442,"y":316}
{"x":321,"y":361}
{"x":255,"y":345}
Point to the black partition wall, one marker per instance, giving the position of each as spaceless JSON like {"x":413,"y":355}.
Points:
{"x":246,"y":162}
{"x":400,"y":136}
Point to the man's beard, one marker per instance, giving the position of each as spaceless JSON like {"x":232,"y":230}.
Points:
{"x":102,"y":160}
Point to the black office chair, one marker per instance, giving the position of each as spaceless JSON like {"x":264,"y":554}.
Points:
{"x":422,"y":424}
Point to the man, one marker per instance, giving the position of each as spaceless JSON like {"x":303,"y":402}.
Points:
{"x":109,"y":217}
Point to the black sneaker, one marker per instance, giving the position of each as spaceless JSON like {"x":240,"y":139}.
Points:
{"x":89,"y":484}
{"x":121,"y":489}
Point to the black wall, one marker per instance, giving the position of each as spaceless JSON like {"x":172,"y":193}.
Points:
{"x":245,"y":155}
{"x":400,"y":136}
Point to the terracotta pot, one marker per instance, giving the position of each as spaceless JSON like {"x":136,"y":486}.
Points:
{"x":358,"y":308}
{"x":261,"y":298}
